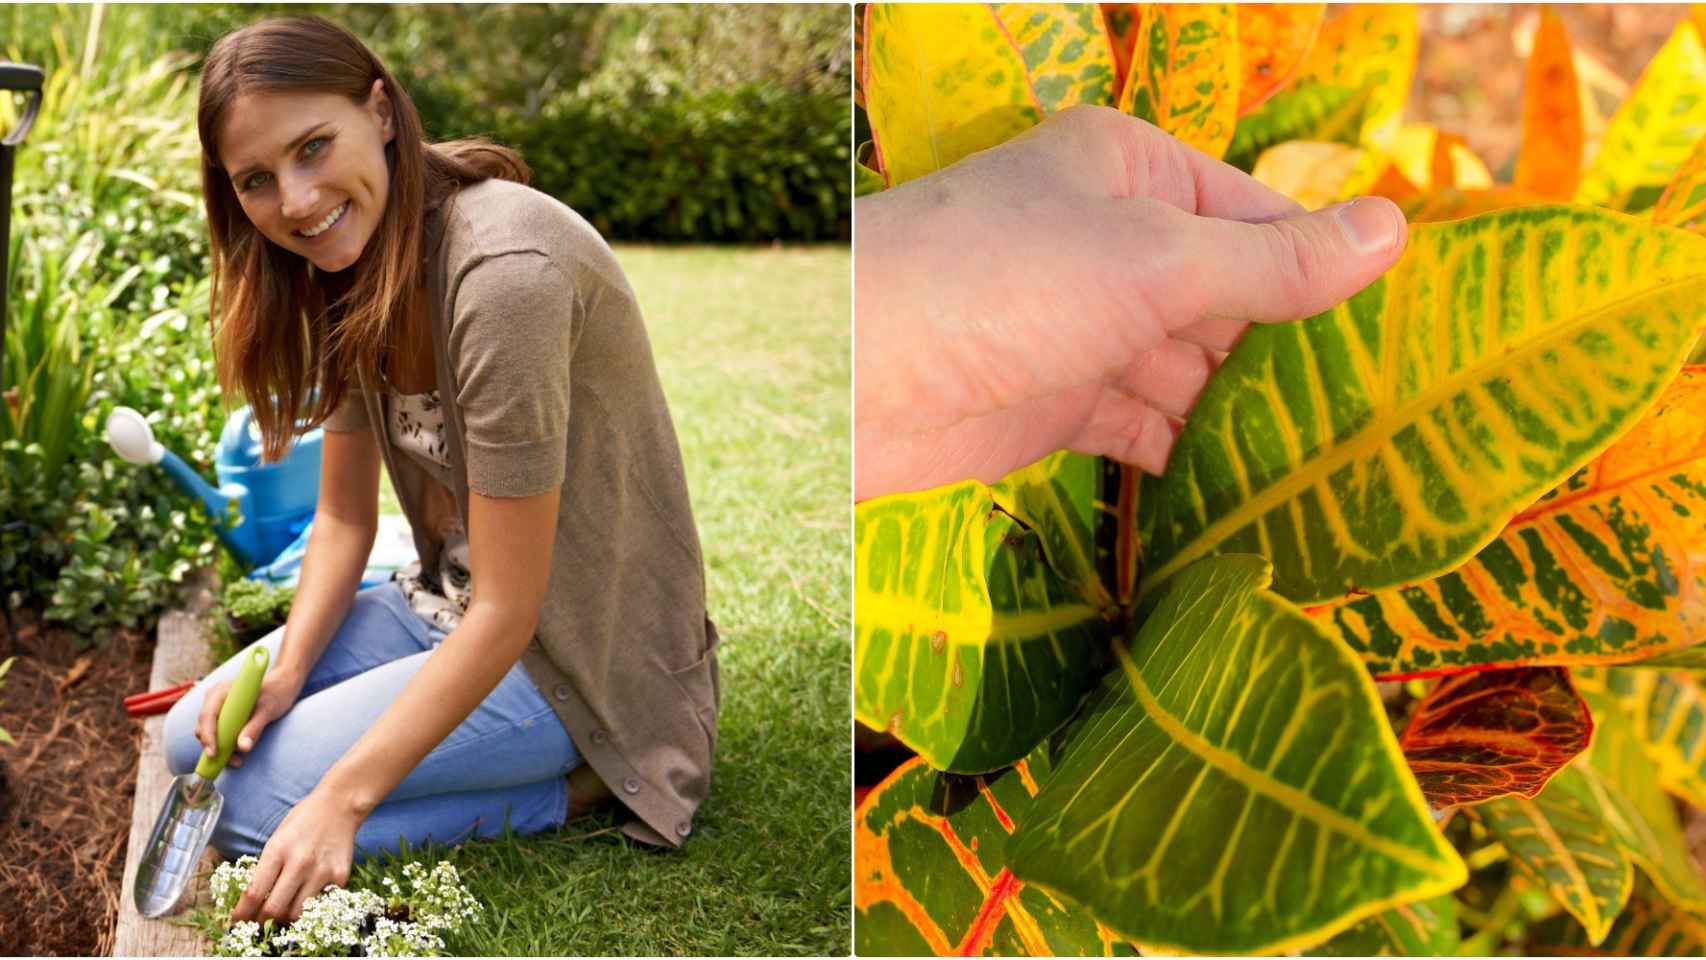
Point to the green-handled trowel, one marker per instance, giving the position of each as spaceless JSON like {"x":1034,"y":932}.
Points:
{"x":192,"y":807}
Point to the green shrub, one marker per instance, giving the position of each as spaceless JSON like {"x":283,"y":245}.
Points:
{"x":247,"y":611}
{"x":751,"y":164}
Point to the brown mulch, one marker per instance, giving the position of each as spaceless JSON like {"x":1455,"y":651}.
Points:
{"x":66,"y":787}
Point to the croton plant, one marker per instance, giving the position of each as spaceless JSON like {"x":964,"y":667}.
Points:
{"x":1399,"y":654}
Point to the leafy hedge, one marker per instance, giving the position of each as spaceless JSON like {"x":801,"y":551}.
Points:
{"x":748,"y":164}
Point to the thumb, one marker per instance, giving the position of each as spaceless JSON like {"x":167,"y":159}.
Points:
{"x":252,"y":730}
{"x":1302,"y":265}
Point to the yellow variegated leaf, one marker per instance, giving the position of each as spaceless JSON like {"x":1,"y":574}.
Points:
{"x":942,"y":81}
{"x":1373,"y":44}
{"x":1608,"y":567}
{"x":1184,"y":73}
{"x":980,"y":610}
{"x":1065,"y":50}
{"x":1433,"y":160}
{"x":1655,"y":128}
{"x":1683,"y":204}
{"x":1560,"y":841}
{"x":1667,"y":714}
{"x":1389,"y":439}
{"x":1318,"y":174}
{"x":1549,"y":161}
{"x":1648,"y":927}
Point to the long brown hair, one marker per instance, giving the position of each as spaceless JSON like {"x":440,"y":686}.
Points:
{"x":293,"y":339}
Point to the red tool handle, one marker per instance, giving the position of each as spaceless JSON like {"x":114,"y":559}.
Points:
{"x":156,"y":701}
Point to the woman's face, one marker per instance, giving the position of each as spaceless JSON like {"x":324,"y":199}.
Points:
{"x":299,"y":160}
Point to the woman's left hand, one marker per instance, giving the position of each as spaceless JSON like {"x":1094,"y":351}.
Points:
{"x":313,"y":847}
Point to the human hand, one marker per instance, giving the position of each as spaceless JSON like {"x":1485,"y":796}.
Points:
{"x":312,"y":847}
{"x":1075,"y":288}
{"x":279,"y":690}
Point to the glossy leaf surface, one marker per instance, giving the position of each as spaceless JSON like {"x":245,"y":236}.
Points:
{"x":1495,"y":733}
{"x":945,"y":80}
{"x":1658,"y":125}
{"x":1184,"y":73}
{"x":928,"y":854}
{"x":1609,"y":566}
{"x":1683,"y":204}
{"x":1454,"y":204}
{"x":1273,"y":39}
{"x":1549,"y":161}
{"x":979,"y":612}
{"x":1388,"y":440}
{"x":1321,"y":113}
{"x":1560,"y":842}
{"x":1370,"y":44}
{"x":1426,"y":928}
{"x":1223,"y":780}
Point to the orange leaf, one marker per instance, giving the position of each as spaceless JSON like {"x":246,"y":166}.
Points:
{"x":1498,"y":733}
{"x":1122,"y":20}
{"x":1272,"y":41}
{"x":1453,"y":204}
{"x":1549,"y":162}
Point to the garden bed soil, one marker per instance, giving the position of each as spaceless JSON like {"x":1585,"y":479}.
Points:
{"x":66,"y":786}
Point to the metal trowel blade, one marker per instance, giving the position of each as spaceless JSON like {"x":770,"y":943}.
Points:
{"x":174,"y":847}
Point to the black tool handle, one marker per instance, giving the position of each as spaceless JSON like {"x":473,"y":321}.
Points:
{"x":23,"y":77}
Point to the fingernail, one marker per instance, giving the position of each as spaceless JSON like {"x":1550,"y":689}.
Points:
{"x":1368,"y":224}
{"x":246,"y":743}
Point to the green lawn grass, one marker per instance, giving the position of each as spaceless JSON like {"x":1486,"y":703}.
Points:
{"x":754,"y":349}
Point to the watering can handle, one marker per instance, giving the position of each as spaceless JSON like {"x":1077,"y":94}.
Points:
{"x":22,"y":76}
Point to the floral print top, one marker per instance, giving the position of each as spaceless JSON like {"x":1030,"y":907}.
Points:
{"x":439,"y":597}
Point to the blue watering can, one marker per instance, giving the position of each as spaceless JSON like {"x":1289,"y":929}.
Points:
{"x":267,"y":508}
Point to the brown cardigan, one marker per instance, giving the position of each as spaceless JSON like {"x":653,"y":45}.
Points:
{"x":546,"y":376}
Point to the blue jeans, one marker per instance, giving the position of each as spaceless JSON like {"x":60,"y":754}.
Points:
{"x":506,"y":762}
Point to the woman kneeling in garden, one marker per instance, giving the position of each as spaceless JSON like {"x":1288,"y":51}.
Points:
{"x":550,"y":649}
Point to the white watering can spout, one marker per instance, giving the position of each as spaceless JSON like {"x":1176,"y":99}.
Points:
{"x":132,"y":438}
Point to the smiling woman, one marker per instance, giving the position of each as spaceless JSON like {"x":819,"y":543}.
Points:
{"x":435,"y":313}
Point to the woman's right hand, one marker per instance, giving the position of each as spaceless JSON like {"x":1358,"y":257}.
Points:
{"x":279,"y":690}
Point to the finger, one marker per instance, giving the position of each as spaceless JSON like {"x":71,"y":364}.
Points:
{"x":1128,"y":157}
{"x":1130,"y":431}
{"x":261,"y":881}
{"x":283,"y":897}
{"x":207,"y":722}
{"x":1168,"y":376}
{"x":1219,"y":334}
{"x":251,"y":731}
{"x":1287,"y":269}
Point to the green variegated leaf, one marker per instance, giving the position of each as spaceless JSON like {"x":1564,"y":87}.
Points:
{"x":1639,"y":814}
{"x":1560,"y":841}
{"x":1389,"y":439}
{"x":1184,"y":73}
{"x":979,"y":611}
{"x":1318,"y":112}
{"x":1666,"y":712}
{"x":1426,"y":928}
{"x":928,"y":853}
{"x":944,"y":80}
{"x":1234,"y":785}
{"x":1648,"y":927}
{"x":1653,"y":131}
{"x":1609,"y":566}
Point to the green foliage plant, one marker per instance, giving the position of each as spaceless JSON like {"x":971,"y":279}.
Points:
{"x":1396,"y":658}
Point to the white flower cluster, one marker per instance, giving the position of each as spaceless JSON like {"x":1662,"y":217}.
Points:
{"x":340,"y":922}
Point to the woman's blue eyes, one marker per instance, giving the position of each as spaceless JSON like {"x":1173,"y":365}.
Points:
{"x":255,"y":180}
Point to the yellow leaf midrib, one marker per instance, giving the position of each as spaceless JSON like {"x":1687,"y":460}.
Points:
{"x":1381,"y":428}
